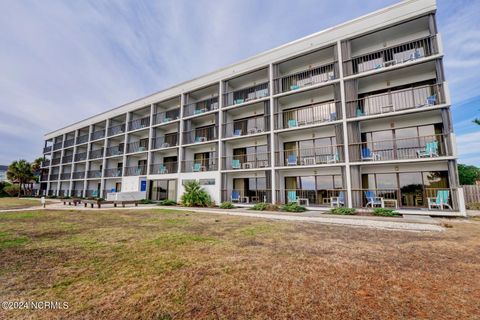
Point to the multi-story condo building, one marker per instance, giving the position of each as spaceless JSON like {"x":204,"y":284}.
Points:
{"x":356,"y":115}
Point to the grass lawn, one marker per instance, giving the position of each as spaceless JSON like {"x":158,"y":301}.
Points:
{"x":167,"y":264}
{"x":18,"y":203}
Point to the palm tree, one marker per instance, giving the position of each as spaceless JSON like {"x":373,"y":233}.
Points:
{"x":20,"y":172}
{"x":477,"y":121}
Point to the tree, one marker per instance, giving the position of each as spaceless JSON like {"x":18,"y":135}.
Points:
{"x":36,"y":166}
{"x":468,"y":174}
{"x":477,"y":121}
{"x":195,"y":195}
{"x":20,"y":172}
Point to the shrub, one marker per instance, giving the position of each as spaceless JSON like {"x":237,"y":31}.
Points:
{"x":260,"y":206}
{"x":12,"y":190}
{"x":146,"y":201}
{"x":3,"y":185}
{"x":473,"y":206}
{"x":343,"y":211}
{"x":227,"y":205}
{"x":293,"y":207}
{"x":167,"y":202}
{"x":195,"y":196}
{"x":384,"y":212}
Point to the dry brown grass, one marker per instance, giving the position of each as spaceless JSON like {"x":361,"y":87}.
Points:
{"x":18,"y":203}
{"x":174,"y":265}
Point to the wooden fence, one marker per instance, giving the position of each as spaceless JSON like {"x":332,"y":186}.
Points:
{"x":472,"y":193}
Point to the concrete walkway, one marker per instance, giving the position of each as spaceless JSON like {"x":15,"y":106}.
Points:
{"x":401,"y":224}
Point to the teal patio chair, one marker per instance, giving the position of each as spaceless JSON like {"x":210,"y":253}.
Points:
{"x":197,"y":167}
{"x":292,"y":123}
{"x":291,"y":196}
{"x":440,"y":201}
{"x":236,"y":164}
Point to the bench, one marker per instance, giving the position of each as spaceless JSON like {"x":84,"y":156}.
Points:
{"x":96,"y":202}
{"x":71,"y":201}
{"x":124,"y":202}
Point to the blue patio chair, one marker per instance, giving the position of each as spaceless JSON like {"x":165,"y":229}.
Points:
{"x":166,"y":119}
{"x":237,"y":132}
{"x":430,"y":150}
{"x":367,"y":154}
{"x":338,"y":201}
{"x":95,"y":193}
{"x":238,"y":101}
{"x":334,"y":158}
{"x":373,"y":200}
{"x":162,"y":169}
{"x":333,"y":116}
{"x":440,"y":201}
{"x":197,"y":167}
{"x":292,"y":123}
{"x":291,"y":196}
{"x":235,"y":196}
{"x":292,"y":160}
{"x":431,"y":100}
{"x":359,"y":112}
{"x":236,"y":164}
{"x":294,"y":87}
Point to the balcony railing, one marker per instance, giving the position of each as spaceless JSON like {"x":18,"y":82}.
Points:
{"x":99,"y":134}
{"x":137,"y":146}
{"x":308,"y":115}
{"x":306,"y":78}
{"x":167,"y":116}
{"x":410,"y":196}
{"x":94,"y":174}
{"x":92,"y":193}
{"x":115,"y":150}
{"x":76,"y":193}
{"x":112,"y":172}
{"x":390,"y":56}
{"x":65,"y":176}
{"x":67,"y":159}
{"x":312,"y":198}
{"x":117,"y":129}
{"x":136,"y":171}
{"x":139,"y":123}
{"x":200,"y":107}
{"x":397,"y":100}
{"x":47,"y":149}
{"x":44,"y":177}
{"x":399,"y":149}
{"x":69,"y":143}
{"x":310,"y":156}
{"x":82,"y":139}
{"x":249,"y":126}
{"x":54,"y":176}
{"x":57,"y":145}
{"x":78,"y":175}
{"x":168,"y":141}
{"x":200,"y":135}
{"x":199,"y":165}
{"x":95,"y":154}
{"x":46,"y":163}
{"x":81,"y":156}
{"x":164,"y":168}
{"x":247,"y":196}
{"x":247,"y":94}
{"x":246,"y":161}
{"x":56,"y":161}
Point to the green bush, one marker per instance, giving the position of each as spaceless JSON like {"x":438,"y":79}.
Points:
{"x":260,"y":206}
{"x":167,"y":202}
{"x":343,"y":211}
{"x":473,"y":206}
{"x":3,"y":184}
{"x":195,"y":196}
{"x":12,"y":190}
{"x":293,"y":207}
{"x":145,"y":201}
{"x":227,"y":205}
{"x":384,"y":212}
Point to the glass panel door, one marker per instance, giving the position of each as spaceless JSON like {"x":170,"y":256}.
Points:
{"x":411,"y":189}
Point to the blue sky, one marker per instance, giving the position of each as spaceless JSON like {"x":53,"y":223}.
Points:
{"x":62,"y":61}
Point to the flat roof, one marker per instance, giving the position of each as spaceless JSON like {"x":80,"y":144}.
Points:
{"x":395,"y":13}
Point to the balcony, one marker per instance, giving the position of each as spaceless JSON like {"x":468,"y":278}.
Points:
{"x":258,"y":91}
{"x":65,"y":176}
{"x":67,"y":159}
{"x":54,"y":176}
{"x":247,"y":196}
{"x":81,"y":156}
{"x":117,"y":129}
{"x":139,"y":123}
{"x":78,"y":175}
{"x":199,"y":165}
{"x":306,"y":78}
{"x":82,"y":139}
{"x":138,"y":146}
{"x":308,"y":115}
{"x":115,"y":150}
{"x":200,"y":135}
{"x":76,"y":193}
{"x":44,"y":177}
{"x":200,"y":107}
{"x":99,"y":134}
{"x":112,"y":172}
{"x":248,"y":126}
{"x":57,"y":145}
{"x":400,"y":149}
{"x":45,"y":163}
{"x":311,"y":198}
{"x":91,"y":174}
{"x":310,"y":156}
{"x":47,"y":149}
{"x":136,"y":171}
{"x":95,"y":154}
{"x":167,"y":116}
{"x":391,"y":56}
{"x":56,"y":161}
{"x":170,"y":140}
{"x":397,"y":100}
{"x":69,"y":143}
{"x":164,"y":168}
{"x":246,"y":161}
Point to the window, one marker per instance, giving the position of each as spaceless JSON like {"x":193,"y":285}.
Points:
{"x":207,"y":182}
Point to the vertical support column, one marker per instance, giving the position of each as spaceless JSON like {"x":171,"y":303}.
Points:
{"x":345,"y":128}
{"x":60,"y":169}
{"x":220,"y":138}
{"x":150,"y":139}
{"x":49,"y":169}
{"x":87,"y":163}
{"x":73,"y":163}
{"x":125,"y":143}
{"x":273,"y":179}
{"x":104,"y":160}
{"x":180,"y":146}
